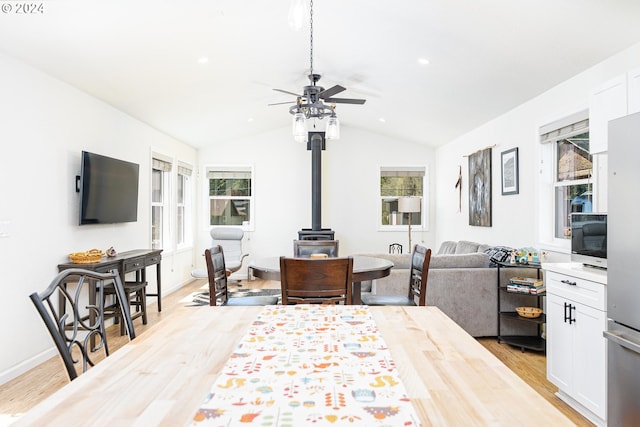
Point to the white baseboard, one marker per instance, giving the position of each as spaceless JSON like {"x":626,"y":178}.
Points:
{"x":31,"y":363}
{"x":26,"y":365}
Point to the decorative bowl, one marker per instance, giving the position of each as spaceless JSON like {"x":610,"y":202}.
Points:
{"x":529,"y":312}
{"x":87,"y":257}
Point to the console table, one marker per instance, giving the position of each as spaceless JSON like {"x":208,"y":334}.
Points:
{"x":127,"y":262}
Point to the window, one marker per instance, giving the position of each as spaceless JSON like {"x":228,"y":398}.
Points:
{"x":396,"y":182}
{"x":570,"y":168}
{"x":183,"y":206}
{"x":573,"y":188}
{"x":230,"y":195}
{"x":160,"y":173}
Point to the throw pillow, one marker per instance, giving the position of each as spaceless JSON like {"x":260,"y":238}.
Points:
{"x":498,"y":254}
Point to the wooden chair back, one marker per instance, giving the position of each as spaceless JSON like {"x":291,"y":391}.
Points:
{"x":420,"y":260}
{"x":305,"y":248}
{"x":217,"y":275}
{"x":325,"y":281}
{"x":73,"y":310}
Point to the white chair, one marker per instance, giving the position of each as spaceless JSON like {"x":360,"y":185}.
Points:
{"x":230,"y":238}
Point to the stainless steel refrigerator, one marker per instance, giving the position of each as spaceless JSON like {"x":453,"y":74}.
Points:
{"x":623,"y":273}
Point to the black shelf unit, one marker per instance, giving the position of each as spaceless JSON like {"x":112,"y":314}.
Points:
{"x":530,"y":342}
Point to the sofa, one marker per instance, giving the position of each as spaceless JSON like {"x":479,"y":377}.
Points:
{"x":462,"y":282}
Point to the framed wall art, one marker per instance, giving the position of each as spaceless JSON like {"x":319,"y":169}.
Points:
{"x":480,"y":188}
{"x":510,"y":179}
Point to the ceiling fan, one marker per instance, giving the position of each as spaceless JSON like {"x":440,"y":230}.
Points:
{"x":311,"y":103}
{"x":313,"y":93}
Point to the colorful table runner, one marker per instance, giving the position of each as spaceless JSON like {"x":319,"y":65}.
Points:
{"x":309,"y":365}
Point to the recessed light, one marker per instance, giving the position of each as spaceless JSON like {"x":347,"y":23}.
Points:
{"x":203,"y":60}
{"x":382,"y":120}
{"x":250,"y":119}
{"x":423,"y":61}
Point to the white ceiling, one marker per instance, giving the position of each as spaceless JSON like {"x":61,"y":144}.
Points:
{"x":486,"y":57}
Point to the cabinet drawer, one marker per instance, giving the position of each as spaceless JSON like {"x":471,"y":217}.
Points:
{"x":152,"y":260}
{"x":591,"y":294}
{"x":133,"y":264}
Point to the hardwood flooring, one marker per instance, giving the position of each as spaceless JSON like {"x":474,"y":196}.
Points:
{"x":20,"y":394}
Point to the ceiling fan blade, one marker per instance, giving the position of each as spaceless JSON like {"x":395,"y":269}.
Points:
{"x":346,"y":100}
{"x":331,"y":91}
{"x":290,"y":93}
{"x":281,"y":103}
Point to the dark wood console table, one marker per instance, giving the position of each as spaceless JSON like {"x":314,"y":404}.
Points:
{"x":135,"y":261}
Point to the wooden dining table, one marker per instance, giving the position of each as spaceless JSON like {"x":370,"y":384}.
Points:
{"x":364,"y":268}
{"x":162,"y":377}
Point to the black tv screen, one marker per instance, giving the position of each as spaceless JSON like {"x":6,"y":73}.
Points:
{"x":108,"y":190}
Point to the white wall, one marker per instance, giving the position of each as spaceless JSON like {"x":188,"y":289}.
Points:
{"x":45,"y":124}
{"x":350,"y":187}
{"x":515,"y":217}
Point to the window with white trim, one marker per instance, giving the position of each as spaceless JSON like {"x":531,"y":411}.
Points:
{"x":160,"y":175}
{"x":183,"y":206}
{"x":402,"y":181}
{"x":230,"y":195}
{"x":568,"y":166}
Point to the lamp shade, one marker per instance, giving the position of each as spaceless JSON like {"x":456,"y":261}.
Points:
{"x":409,"y":204}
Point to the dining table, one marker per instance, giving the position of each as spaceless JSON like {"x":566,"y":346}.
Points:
{"x":298,"y":365}
{"x":364,"y":268}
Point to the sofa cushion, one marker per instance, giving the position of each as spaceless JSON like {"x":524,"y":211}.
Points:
{"x":448,"y":247}
{"x":473,"y":260}
{"x":465,"y":247}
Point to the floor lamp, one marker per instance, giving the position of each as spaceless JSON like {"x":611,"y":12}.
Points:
{"x":409,"y":205}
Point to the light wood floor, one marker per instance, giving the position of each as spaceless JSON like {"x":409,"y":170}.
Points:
{"x":22,"y":393}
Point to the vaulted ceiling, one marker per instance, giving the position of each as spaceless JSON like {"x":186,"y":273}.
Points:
{"x":147,"y":58}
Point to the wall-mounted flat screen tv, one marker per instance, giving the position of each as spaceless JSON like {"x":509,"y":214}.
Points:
{"x":108,"y":190}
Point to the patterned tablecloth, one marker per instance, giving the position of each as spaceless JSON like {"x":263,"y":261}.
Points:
{"x":309,"y":365}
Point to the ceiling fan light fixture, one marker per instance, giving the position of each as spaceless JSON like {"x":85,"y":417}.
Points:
{"x":299,"y":127}
{"x":332,"y":131}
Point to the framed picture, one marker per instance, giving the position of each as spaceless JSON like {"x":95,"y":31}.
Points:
{"x":480,"y":188}
{"x":510,"y":172}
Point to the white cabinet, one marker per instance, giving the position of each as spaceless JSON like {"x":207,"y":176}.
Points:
{"x":576,"y":348}
{"x":616,"y":98}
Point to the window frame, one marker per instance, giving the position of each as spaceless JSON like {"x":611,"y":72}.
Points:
{"x":548,"y":137}
{"x":164,"y":204}
{"x":424,"y":201}
{"x":184,"y":172}
{"x":246,"y":225}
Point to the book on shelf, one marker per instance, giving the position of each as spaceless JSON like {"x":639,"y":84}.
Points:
{"x":529,"y":281}
{"x":525,"y":289}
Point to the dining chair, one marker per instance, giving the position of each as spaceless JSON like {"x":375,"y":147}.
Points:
{"x":75,"y":318}
{"x":395,"y":248}
{"x":218,"y":290}
{"x":136,"y":300}
{"x":306,"y":248}
{"x":325,"y":280}
{"x":420,"y":260}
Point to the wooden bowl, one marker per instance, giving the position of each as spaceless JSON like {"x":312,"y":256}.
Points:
{"x":529,"y":312}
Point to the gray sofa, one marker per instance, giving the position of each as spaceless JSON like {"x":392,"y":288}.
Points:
{"x":462,"y":282}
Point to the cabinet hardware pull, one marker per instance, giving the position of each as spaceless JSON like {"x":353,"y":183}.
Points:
{"x":569,"y":282}
{"x":565,"y":313}
{"x":571,"y":318}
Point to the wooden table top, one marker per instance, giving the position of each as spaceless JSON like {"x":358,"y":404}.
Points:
{"x":162,"y":377}
{"x":364,"y":268}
